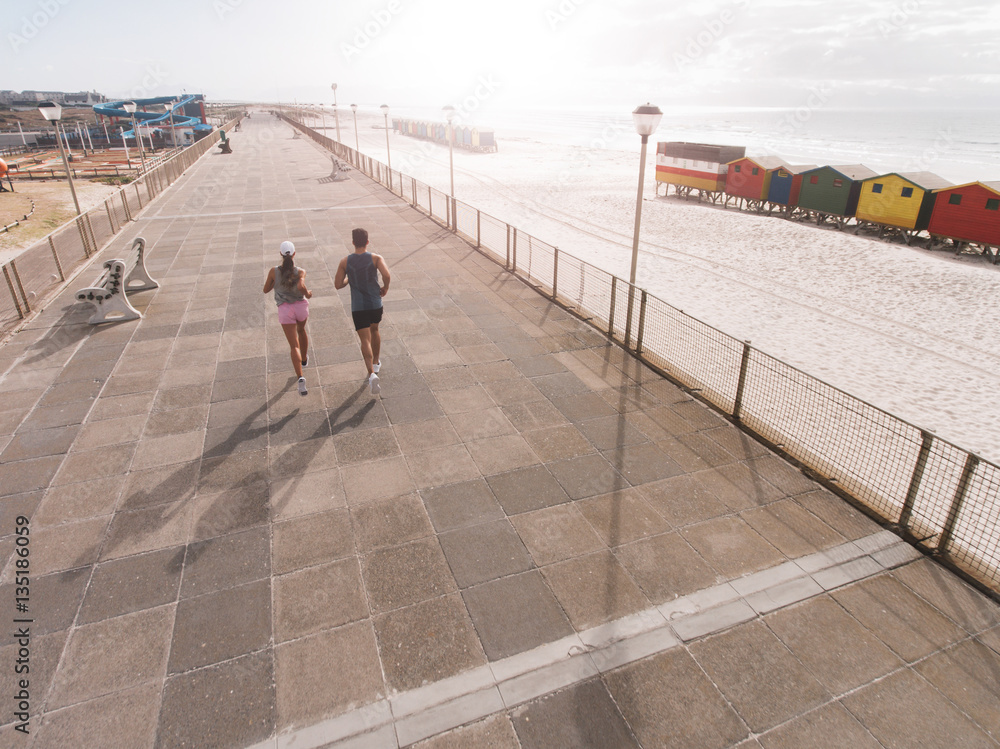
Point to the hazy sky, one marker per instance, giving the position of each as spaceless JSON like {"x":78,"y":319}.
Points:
{"x":518,"y":53}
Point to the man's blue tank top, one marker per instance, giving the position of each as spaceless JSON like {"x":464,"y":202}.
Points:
{"x":363,"y":277}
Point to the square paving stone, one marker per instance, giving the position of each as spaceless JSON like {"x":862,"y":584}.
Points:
{"x":399,"y":576}
{"x":427,"y":642}
{"x":780,"y":474}
{"x":311,"y":540}
{"x":583,"y":406}
{"x":903,"y":710}
{"x":380,"y":479}
{"x":237,"y":509}
{"x":732,"y":547}
{"x":410,"y":408}
{"x":738,"y":487}
{"x":622,"y":517}
{"x":582,"y":716}
{"x":40,"y":443}
{"x":588,"y":476}
{"x":683,"y":500}
{"x":509,"y":392}
{"x":56,"y":598}
{"x":317,"y":491}
{"x":425,"y":435}
{"x":966,"y":607}
{"x":28,"y":475}
{"x":911,"y":627}
{"x":765,"y":683}
{"x":238,"y":469}
{"x":67,"y":546}
{"x":230,"y":704}
{"x":133,"y":584}
{"x":836,"y":649}
{"x":610,"y":432}
{"x":500,"y":454}
{"x":484,"y":552}
{"x":709,"y":452}
{"x":557,"y":443}
{"x":442,"y":465}
{"x":537,"y":415}
{"x":250,"y":412}
{"x":52,"y":417}
{"x":82,"y":501}
{"x":791,"y":529}
{"x":112,"y":655}
{"x":559,"y":385}
{"x":116,"y":408}
{"x":458,"y":505}
{"x":220,"y":626}
{"x":366,"y":445}
{"x":465,"y":400}
{"x":642,"y":464}
{"x":326,"y":674}
{"x":226,"y":561}
{"x":175,"y":448}
{"x":556,"y":533}
{"x":969,"y":675}
{"x":483,"y":424}
{"x":666,"y":567}
{"x":527,"y":489}
{"x":93,"y":464}
{"x":158,"y":486}
{"x":129,"y":716}
{"x":389,"y":522}
{"x":669,"y":702}
{"x":594,"y":589}
{"x":318,"y":598}
{"x":829,"y":727}
{"x":848,"y":521}
{"x":495,"y":732}
{"x":515,"y":614}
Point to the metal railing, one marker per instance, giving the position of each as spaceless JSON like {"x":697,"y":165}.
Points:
{"x":43,"y":267}
{"x":941,"y":497}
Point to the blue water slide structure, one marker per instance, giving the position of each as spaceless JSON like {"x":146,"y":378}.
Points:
{"x":174,"y":116}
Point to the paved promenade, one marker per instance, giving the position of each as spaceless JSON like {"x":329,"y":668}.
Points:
{"x":527,"y":540}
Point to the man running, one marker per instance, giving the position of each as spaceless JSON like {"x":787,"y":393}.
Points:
{"x":361,"y":270}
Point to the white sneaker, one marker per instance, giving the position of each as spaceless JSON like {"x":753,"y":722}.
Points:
{"x":373,"y":381}
{"x":302,"y":386}
{"x":377,"y":366}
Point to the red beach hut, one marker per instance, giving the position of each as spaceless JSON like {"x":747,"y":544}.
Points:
{"x":749,"y":180}
{"x":968,"y":216}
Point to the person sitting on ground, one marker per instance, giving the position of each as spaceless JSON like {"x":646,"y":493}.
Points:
{"x":291,"y":295}
{"x":361,"y":270}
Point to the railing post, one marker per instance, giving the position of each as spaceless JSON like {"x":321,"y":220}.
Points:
{"x":55,"y":256}
{"x":90,"y":226}
{"x":642,"y":323}
{"x":513,"y":252}
{"x":413,"y":191}
{"x":83,"y":237}
{"x":741,"y":384}
{"x":430,"y":202}
{"x":13,"y":294}
{"x":506,"y":263}
{"x":447,"y":214}
{"x":628,"y":314}
{"x":111,"y":220}
{"x":927,"y":440}
{"x":478,"y":235}
{"x":971,"y":461}
{"x":611,"y":315}
{"x":20,"y":287}
{"x":555,"y":271}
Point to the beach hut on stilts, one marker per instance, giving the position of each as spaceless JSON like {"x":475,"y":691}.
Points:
{"x":966,"y":218}
{"x":694,"y":168}
{"x":897,"y":205}
{"x":749,"y":179}
{"x":783,"y":194}
{"x":829,"y":194}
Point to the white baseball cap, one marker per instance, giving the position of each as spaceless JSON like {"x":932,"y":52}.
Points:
{"x":287,"y":248}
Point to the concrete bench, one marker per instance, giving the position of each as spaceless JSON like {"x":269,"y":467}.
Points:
{"x":120,"y":275}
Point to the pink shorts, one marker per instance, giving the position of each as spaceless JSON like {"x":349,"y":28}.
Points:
{"x":290,"y":313}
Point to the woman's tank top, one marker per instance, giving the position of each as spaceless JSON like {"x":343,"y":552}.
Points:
{"x":286,"y":294}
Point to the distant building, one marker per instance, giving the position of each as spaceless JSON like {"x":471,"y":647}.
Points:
{"x":29,"y":99}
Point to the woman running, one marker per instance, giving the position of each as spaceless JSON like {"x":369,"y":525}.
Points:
{"x":291,"y":295}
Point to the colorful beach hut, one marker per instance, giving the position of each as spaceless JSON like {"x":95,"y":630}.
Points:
{"x":897,"y":203}
{"x":694,"y":166}
{"x":968,"y":216}
{"x":783,"y":195}
{"x":749,"y":179}
{"x":830,"y":193}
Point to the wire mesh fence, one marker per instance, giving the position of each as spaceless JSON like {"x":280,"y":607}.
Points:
{"x":45,"y":265}
{"x":943,"y":497}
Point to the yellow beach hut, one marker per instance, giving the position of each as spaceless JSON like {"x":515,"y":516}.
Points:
{"x":898,"y":203}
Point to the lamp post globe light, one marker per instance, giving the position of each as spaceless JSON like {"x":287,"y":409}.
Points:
{"x":336,"y":115}
{"x":646,"y":118}
{"x":449,"y":113}
{"x":388,"y":156}
{"x":129,"y":106}
{"x":52,"y":112}
{"x":354,"y":109}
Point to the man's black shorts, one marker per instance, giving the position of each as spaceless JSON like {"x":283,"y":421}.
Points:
{"x":364,"y":318}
